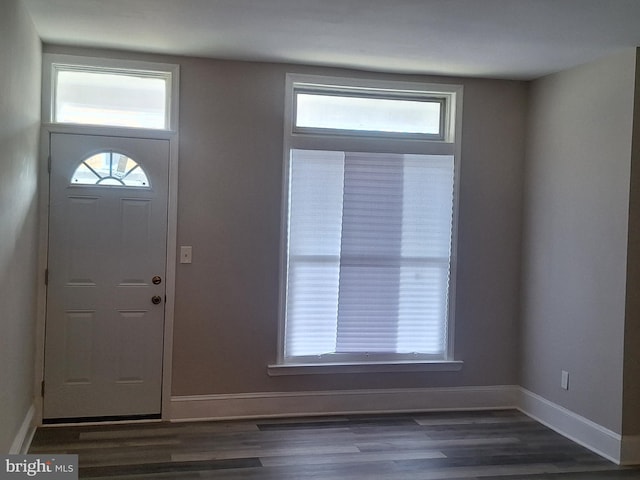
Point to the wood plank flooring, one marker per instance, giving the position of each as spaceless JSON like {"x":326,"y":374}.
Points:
{"x":505,"y":445}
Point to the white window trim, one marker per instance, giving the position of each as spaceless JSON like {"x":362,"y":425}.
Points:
{"x":381,"y":143}
{"x":451,"y":144}
{"x":53,"y":62}
{"x":284,"y":369}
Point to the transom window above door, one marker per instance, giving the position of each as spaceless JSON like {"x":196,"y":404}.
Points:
{"x":109,"y":93}
{"x":110,"y":168}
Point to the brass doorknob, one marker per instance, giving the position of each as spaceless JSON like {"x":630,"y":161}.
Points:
{"x":156,"y":299}
{"x":157,"y":280}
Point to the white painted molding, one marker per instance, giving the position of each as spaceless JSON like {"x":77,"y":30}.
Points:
{"x":22,"y":441}
{"x":630,"y":450}
{"x":276,"y":370}
{"x":575,"y":427}
{"x":283,"y":404}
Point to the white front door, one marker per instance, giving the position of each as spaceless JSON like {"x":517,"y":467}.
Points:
{"x":106,"y":277}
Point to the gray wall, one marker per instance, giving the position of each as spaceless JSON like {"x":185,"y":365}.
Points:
{"x":631,"y":390}
{"x":230,"y":192}
{"x":20,"y":57}
{"x":575,"y":249}
{"x":229,"y":210}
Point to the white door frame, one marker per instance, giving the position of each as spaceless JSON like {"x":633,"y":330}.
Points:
{"x":172,"y":227}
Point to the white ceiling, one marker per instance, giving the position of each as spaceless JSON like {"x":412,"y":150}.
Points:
{"x":519,"y":39}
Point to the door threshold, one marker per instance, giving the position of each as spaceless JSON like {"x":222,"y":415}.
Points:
{"x":114,"y":419}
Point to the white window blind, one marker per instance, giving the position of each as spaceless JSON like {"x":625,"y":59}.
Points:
{"x":369,"y":245}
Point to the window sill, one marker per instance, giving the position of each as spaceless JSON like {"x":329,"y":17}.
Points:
{"x":278,"y":370}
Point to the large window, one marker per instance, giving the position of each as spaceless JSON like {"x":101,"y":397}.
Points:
{"x":370,"y":221}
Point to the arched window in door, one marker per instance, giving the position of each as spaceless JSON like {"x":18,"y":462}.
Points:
{"x":110,"y":168}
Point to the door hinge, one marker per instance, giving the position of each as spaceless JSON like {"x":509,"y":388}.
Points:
{"x":49,"y":163}
{"x":42,"y":389}
{"x":46,"y":276}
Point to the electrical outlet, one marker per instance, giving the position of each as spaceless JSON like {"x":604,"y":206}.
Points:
{"x":185,"y":254}
{"x":564,"y":380}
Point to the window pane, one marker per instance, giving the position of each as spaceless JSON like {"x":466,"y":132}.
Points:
{"x":85,"y":176}
{"x":428,"y":197}
{"x":338,"y":112}
{"x":426,"y":233}
{"x":312,"y":307}
{"x":110,"y":168}
{"x":113,"y":99}
{"x":422,"y":307}
{"x":316,"y":188}
{"x":369,"y":254}
{"x":316,"y":180}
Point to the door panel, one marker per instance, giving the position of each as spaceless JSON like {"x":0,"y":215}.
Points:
{"x":81,"y":261}
{"x":104,"y":336}
{"x":78,"y":347}
{"x":135,"y":236}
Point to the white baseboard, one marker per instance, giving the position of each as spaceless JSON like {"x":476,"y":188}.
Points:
{"x":581,"y":430}
{"x":22,"y":440}
{"x":283,"y":404}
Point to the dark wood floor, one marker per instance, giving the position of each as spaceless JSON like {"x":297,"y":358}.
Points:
{"x":503,"y":445}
